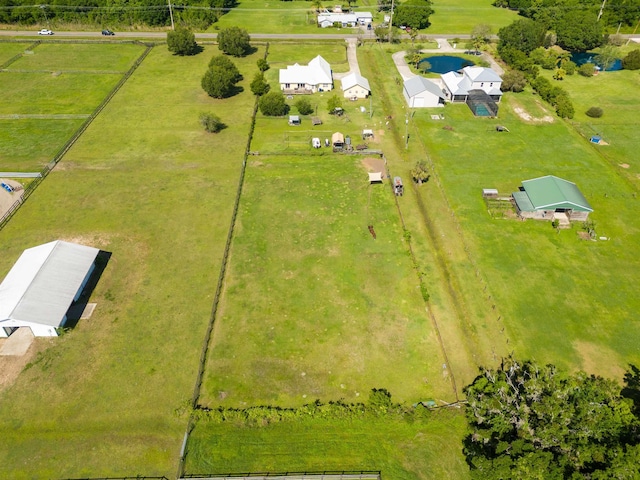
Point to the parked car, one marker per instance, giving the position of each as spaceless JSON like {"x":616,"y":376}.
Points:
{"x":45,"y":31}
{"x":107,"y":32}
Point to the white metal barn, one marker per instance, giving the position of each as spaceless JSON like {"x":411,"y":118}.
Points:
{"x":42,"y":285}
{"x":420,"y":92}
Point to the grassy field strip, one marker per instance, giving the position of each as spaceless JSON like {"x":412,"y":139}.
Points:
{"x":148,"y":184}
{"x":400,"y":450}
{"x":461,"y":313}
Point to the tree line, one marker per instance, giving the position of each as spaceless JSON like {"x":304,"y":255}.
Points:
{"x":198,"y":14}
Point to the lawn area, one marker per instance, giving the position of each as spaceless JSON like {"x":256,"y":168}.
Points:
{"x":147,"y":184}
{"x":283,"y":54}
{"x":562,"y":300}
{"x":314,"y":307}
{"x":8,"y":50}
{"x":428,"y":449}
{"x":460,"y":16}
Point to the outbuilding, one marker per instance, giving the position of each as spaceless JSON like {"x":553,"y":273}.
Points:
{"x":420,"y":92}
{"x":355,"y":86}
{"x":41,"y":286}
{"x":337,"y":140}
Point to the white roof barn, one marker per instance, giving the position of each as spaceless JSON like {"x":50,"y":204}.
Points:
{"x":314,"y":77}
{"x":422,"y":92}
{"x":41,"y":286}
{"x":458,"y":85}
{"x":355,"y":85}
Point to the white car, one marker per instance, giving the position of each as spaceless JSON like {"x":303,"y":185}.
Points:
{"x":45,"y":31}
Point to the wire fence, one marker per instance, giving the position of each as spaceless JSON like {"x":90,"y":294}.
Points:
{"x":325,"y":475}
{"x":31,"y":187}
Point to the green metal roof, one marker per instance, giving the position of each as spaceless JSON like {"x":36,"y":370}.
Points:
{"x":523,"y":202}
{"x":550,"y":193}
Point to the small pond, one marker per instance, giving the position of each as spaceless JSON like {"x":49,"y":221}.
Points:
{"x":590,"y":57}
{"x":446,"y":63}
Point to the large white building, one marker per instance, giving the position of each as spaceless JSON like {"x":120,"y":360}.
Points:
{"x":353,"y":19}
{"x":311,"y":78}
{"x":458,"y":85}
{"x":420,"y":92}
{"x":41,"y":286}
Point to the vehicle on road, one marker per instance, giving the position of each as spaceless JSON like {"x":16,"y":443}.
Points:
{"x":45,"y":31}
{"x":107,"y":32}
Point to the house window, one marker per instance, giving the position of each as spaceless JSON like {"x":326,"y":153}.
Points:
{"x":287,"y":85}
{"x":491,"y":84}
{"x":482,"y":85}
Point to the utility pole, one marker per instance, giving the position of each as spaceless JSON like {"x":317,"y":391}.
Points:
{"x":370,"y":107}
{"x":391,"y":20}
{"x":406,"y":131}
{"x":601,"y":9}
{"x":171,"y":15}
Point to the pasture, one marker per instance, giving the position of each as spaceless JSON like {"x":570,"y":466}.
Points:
{"x":147,"y":184}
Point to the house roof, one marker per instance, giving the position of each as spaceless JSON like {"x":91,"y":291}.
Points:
{"x":337,"y":138}
{"x":354,"y":79}
{"x":481,"y":74}
{"x":550,"y":192}
{"x":456,"y":83}
{"x":43,"y":282}
{"x":316,"y":72}
{"x":416,"y":85}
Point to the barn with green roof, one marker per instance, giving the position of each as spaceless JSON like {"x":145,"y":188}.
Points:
{"x":551,"y":198}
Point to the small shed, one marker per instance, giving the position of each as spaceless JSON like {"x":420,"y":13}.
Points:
{"x":337,"y":140}
{"x":490,"y":193}
{"x":294,"y":120}
{"x":375,"y":177}
{"x":316,"y":121}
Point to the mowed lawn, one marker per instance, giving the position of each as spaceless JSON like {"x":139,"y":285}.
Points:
{"x":148,"y":185}
{"x":314,"y":306}
{"x":460,"y":16}
{"x":561,"y":299}
{"x":426,"y":449}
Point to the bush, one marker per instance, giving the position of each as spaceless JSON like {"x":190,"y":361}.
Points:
{"x":219,"y":82}
{"x":334,"y":103}
{"x":513,"y":81}
{"x":586,"y":69}
{"x":304,"y":106}
{"x":234,"y":41}
{"x":211,"y":122}
{"x":182,"y":41}
{"x":273,"y":104}
{"x":564,"y":107}
{"x":259,"y":85}
{"x":632,"y":60}
{"x":594,"y":112}
{"x":570,"y":67}
{"x":263,"y":65}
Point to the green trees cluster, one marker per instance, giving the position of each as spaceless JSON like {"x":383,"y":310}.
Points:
{"x":556,"y":96}
{"x":198,"y":14}
{"x":632,"y":60}
{"x":413,"y":13}
{"x":273,"y":104}
{"x":221,"y":78}
{"x":532,"y":421}
{"x":182,"y":41}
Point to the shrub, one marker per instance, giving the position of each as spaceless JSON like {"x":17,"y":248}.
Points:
{"x":220,"y":61}
{"x":514,"y":81}
{"x":259,"y":86}
{"x":219,"y":82}
{"x":570,"y":67}
{"x":273,"y":104}
{"x":594,"y":112}
{"x":632,"y":60}
{"x":211,"y":122}
{"x":334,"y":103}
{"x":564,"y":107}
{"x":304,"y":106}
{"x":586,"y":69}
{"x":263,"y":65}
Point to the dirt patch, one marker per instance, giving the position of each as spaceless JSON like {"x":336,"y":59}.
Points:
{"x":374,"y":164}
{"x":584,"y":236}
{"x":524,"y":115}
{"x":12,"y":365}
{"x":624,"y":165}
{"x":599,"y":360}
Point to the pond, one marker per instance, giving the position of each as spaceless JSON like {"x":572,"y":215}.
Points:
{"x":590,"y":57}
{"x":446,"y":63}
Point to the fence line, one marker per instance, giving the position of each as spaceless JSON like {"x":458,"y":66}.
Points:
{"x":65,"y":148}
{"x":326,"y":475}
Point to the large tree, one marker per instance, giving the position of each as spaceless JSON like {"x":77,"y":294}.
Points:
{"x":225,"y":63}
{"x":234,"y":41}
{"x":182,"y":41}
{"x":220,"y":80}
{"x":524,"y":35}
{"x":480,"y":36}
{"x":579,"y":31}
{"x":531,"y":421}
{"x":413,"y":13}
{"x":273,"y":104}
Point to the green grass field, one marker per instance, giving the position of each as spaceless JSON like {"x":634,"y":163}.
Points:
{"x":401,"y":450}
{"x":460,"y":16}
{"x":147,"y":184}
{"x":313,"y":306}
